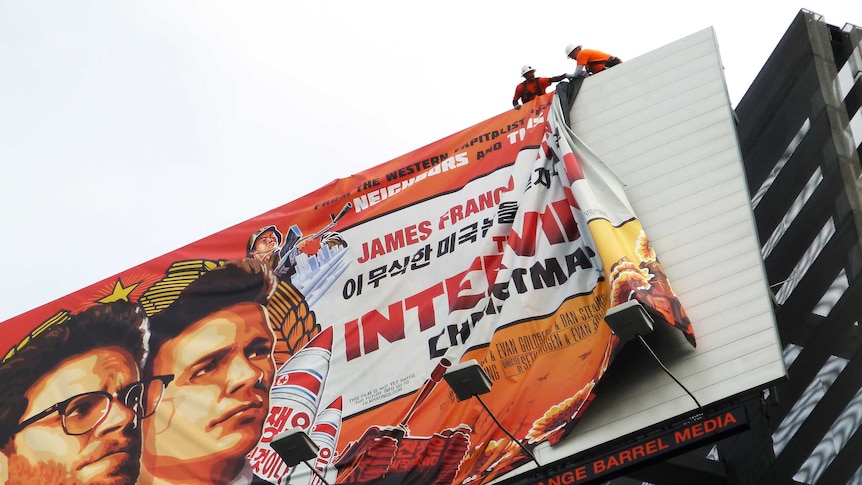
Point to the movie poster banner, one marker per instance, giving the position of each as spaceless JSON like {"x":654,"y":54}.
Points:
{"x":339,"y":313}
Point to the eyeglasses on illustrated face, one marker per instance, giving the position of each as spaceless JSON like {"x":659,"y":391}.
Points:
{"x":79,"y":414}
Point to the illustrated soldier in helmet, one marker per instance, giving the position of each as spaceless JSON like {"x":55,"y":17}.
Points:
{"x":269,"y":246}
{"x":264,"y":242}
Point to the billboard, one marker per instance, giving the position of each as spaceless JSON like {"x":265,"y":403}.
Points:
{"x":340,"y":312}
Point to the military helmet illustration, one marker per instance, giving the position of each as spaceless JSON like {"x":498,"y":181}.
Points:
{"x":252,"y":241}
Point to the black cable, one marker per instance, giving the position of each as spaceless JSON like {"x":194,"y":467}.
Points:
{"x":669,"y":372}
{"x":528,"y":452}
{"x":316,"y":473}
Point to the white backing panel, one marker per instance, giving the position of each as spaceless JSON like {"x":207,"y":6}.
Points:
{"x":664,"y":124}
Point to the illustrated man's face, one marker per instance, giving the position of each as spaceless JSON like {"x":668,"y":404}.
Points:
{"x":214,"y":409}
{"x":107,"y":454}
{"x":266,"y":242}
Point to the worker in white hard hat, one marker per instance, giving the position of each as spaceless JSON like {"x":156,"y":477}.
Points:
{"x":532,"y":86}
{"x":590,"y":61}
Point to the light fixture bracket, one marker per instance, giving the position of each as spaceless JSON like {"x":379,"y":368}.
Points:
{"x":294,"y":446}
{"x":628,"y":320}
{"x":468,"y":379}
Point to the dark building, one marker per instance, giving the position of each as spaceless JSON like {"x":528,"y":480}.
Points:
{"x":800,"y":128}
{"x":800,"y":134}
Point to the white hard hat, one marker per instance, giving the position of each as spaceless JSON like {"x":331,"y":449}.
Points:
{"x":526,"y":68}
{"x":570,"y":48}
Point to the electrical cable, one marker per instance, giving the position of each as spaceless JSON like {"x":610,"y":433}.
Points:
{"x":669,"y":372}
{"x":316,"y":473}
{"x":528,"y":452}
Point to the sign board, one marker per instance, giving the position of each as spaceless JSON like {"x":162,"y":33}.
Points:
{"x":688,"y":435}
{"x":340,"y":312}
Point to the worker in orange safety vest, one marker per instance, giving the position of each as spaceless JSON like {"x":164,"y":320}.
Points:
{"x":590,"y":61}
{"x":532,"y":86}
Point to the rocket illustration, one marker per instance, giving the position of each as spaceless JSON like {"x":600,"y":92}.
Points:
{"x":294,"y":402}
{"x":299,"y":382}
{"x":324,"y":433}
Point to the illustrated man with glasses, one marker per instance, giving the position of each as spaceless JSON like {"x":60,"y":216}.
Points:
{"x":72,"y":400}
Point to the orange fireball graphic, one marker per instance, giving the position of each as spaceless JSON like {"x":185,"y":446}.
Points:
{"x":555,"y":419}
{"x":647,"y":283}
{"x":627,"y":278}
{"x":644,"y":249}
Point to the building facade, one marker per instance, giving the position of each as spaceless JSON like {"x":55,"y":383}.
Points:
{"x":800,"y":129}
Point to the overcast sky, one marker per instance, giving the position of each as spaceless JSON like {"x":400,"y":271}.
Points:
{"x":123,"y":125}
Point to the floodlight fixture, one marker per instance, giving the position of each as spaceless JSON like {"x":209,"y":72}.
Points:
{"x":295,"y":447}
{"x":628,"y":320}
{"x":468,"y":379}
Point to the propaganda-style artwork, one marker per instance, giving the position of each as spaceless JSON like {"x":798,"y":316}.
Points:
{"x":339,"y":313}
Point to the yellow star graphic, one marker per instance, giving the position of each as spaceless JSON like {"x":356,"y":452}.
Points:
{"x":120,"y":293}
